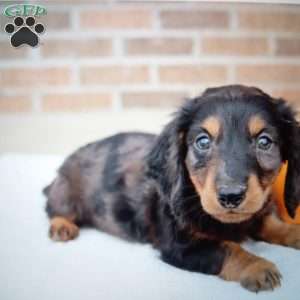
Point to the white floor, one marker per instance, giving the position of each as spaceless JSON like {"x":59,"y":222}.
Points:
{"x":97,"y":266}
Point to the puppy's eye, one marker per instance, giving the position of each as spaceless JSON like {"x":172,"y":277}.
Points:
{"x":203,"y":142}
{"x":264,"y":143}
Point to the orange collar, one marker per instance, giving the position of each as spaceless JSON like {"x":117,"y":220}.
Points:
{"x":278,"y":196}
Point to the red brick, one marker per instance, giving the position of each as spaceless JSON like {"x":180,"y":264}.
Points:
{"x":268,"y":73}
{"x":34,"y":77}
{"x":10,"y":52}
{"x":75,"y":48}
{"x":76,"y":102}
{"x":274,"y":21}
{"x":14,"y":104}
{"x":114,"y":74}
{"x":234,"y":46}
{"x":198,"y":19}
{"x":288,"y":47}
{"x":195,"y":74}
{"x":55,"y":20}
{"x":153,"y":99}
{"x":159,"y":46}
{"x":291,"y":95}
{"x":116,"y":18}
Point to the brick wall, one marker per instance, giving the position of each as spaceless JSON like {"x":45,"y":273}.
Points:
{"x":115,"y":55}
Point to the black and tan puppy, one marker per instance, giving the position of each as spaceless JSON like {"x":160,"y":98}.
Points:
{"x":195,"y":191}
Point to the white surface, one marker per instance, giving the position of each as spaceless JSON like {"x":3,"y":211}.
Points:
{"x":97,"y":266}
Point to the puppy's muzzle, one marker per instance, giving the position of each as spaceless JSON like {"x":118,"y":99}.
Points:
{"x":232,"y":196}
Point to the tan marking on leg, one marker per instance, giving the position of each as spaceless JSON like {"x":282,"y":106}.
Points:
{"x":255,"y":125}
{"x":62,"y":229}
{"x":254,"y":273}
{"x":278,"y":232}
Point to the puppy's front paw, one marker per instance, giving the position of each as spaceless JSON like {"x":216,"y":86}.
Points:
{"x":62,"y":230}
{"x":261,"y":275}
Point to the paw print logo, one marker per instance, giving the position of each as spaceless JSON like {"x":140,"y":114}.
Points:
{"x":24,"y":32}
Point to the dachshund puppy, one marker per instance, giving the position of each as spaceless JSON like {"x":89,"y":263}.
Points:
{"x":196,"y":191}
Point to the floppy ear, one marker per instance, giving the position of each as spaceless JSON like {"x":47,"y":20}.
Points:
{"x":166,"y":160}
{"x":291,"y":133}
{"x":292,"y":183}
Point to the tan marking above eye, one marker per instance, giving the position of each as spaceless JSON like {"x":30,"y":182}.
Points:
{"x":212,"y":125}
{"x":256,"y":124}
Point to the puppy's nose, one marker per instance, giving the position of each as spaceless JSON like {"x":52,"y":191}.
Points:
{"x":231,"y":197}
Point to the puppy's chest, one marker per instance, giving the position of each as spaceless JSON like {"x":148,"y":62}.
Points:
{"x":214,"y":230}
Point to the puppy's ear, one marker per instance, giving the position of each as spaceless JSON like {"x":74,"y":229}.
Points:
{"x":292,"y":184}
{"x":290,"y":130}
{"x":166,"y":160}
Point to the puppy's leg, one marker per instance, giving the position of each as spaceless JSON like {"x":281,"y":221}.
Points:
{"x":254,"y":273}
{"x":228,"y":260}
{"x":61,"y":208}
{"x":278,"y":232}
{"x":62,"y":229}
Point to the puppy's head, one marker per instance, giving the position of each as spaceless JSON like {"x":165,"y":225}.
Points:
{"x":228,"y":145}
